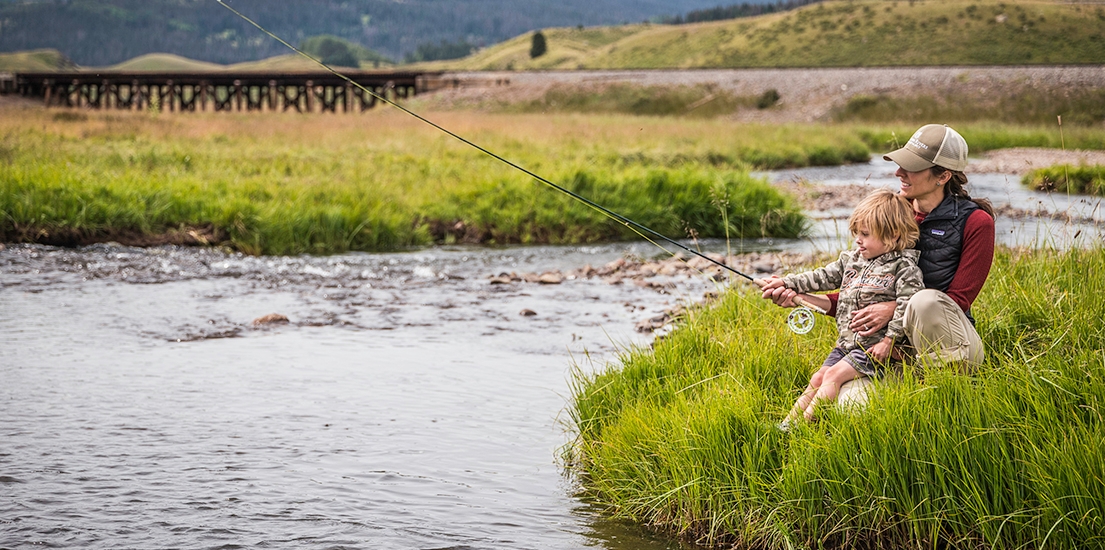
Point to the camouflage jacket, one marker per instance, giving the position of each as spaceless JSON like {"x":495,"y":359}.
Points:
{"x":892,"y":277}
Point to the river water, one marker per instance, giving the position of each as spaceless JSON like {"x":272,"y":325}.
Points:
{"x":1026,"y":218}
{"x":407,"y":404}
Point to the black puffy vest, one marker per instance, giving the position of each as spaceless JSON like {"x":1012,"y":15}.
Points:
{"x":941,"y":242}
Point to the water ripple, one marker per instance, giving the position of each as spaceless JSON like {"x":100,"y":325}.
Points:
{"x":406,"y":404}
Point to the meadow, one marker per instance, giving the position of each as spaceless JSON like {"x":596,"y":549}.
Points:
{"x":683,"y":437}
{"x":289,"y":184}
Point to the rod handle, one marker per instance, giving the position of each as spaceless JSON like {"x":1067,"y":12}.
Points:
{"x":797,"y":299}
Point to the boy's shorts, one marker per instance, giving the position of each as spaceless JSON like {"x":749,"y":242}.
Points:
{"x":859,"y":360}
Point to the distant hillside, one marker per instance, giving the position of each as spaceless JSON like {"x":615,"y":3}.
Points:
{"x":106,"y":32}
{"x":37,"y":60}
{"x":844,"y":33}
{"x":166,"y":62}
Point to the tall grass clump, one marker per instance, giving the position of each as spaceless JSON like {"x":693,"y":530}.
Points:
{"x":682,"y":437}
{"x":690,"y":197}
{"x":281,"y":184}
{"x":1088,"y":180}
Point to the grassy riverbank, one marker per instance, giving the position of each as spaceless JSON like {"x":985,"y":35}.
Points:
{"x":290,"y":184}
{"x":1088,"y":180}
{"x":682,"y":437}
{"x":286,"y":184}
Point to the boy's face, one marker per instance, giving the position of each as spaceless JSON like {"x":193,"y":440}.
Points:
{"x":869,"y":245}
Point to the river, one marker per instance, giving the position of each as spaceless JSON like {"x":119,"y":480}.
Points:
{"x":408,"y":403}
{"x":1026,"y":218}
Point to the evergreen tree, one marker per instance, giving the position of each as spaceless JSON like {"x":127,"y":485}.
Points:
{"x":539,"y":47}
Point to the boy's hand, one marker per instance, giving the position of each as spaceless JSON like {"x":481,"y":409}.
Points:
{"x":881,"y":351}
{"x":775,"y":289}
{"x":769,"y":283}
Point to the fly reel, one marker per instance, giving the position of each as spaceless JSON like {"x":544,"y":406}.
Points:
{"x":801,"y":320}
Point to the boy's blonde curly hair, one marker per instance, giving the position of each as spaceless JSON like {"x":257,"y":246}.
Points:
{"x":888,"y":217}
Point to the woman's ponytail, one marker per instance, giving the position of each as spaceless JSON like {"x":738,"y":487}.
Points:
{"x":957,"y":187}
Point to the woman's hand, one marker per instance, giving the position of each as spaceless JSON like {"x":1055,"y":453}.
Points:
{"x":775,"y":290}
{"x":871,"y":319}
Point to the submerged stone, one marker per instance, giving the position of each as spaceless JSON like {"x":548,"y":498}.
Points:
{"x":271,"y":319}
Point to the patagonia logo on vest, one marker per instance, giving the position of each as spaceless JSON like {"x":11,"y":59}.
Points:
{"x":938,"y":232}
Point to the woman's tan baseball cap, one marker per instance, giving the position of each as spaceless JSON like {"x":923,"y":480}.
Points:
{"x":932,"y":145}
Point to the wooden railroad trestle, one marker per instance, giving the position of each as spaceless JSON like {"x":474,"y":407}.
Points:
{"x":302,"y":92}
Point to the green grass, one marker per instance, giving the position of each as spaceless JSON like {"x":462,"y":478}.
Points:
{"x":287,"y":184}
{"x":835,"y":33}
{"x":165,"y":62}
{"x":985,"y":136}
{"x":35,"y":60}
{"x":682,"y":437}
{"x":842,"y":33}
{"x":1089,"y":180}
{"x":52,"y":60}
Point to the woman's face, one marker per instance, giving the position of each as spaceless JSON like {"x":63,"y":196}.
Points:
{"x":919,"y":185}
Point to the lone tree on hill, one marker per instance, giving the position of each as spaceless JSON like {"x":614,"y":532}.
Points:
{"x":539,"y":47}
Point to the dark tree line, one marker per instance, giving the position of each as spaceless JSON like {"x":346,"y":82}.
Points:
{"x":106,"y":32}
{"x":440,"y":51}
{"x":735,"y":11}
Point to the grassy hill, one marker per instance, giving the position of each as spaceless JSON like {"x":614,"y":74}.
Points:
{"x":52,"y":60}
{"x":835,"y":33}
{"x":165,"y":62}
{"x":105,"y":32}
{"x":35,"y":60}
{"x":848,"y":33}
{"x":296,"y":62}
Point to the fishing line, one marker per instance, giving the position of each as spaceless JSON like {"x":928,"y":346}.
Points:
{"x":800,"y":320}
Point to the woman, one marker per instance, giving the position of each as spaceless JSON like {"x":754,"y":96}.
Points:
{"x":957,"y":249}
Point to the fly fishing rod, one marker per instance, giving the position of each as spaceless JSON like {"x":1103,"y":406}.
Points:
{"x":801,"y":320}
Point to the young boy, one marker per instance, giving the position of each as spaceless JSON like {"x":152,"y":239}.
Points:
{"x":881,"y":269}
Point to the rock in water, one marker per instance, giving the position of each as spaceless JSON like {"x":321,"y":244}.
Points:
{"x":270,"y":319}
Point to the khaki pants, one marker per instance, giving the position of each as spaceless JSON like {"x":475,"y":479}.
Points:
{"x":938,"y":330}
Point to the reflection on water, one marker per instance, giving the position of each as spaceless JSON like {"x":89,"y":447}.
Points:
{"x":406,"y":405}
